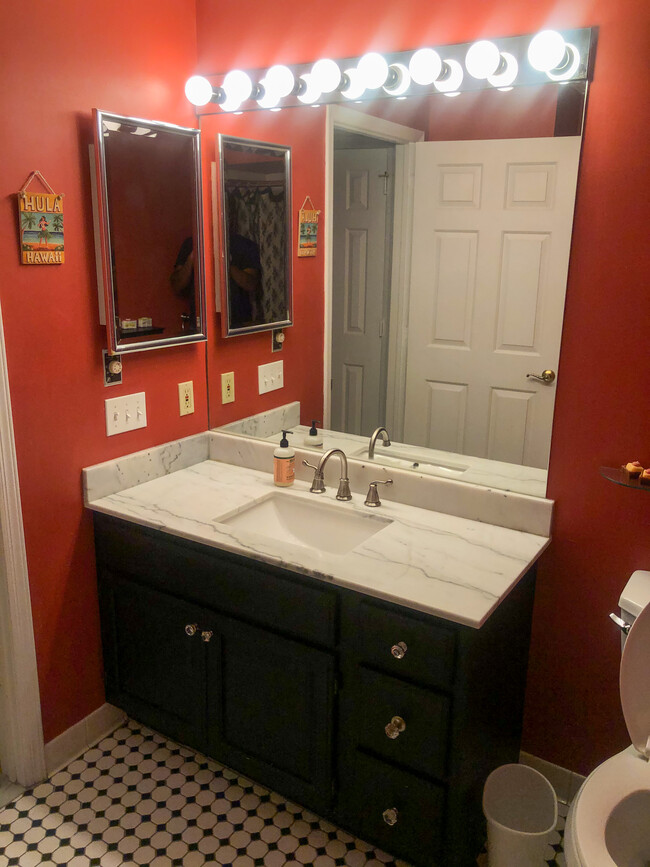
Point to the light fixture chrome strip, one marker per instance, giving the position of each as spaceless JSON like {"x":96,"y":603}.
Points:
{"x":511,"y":61}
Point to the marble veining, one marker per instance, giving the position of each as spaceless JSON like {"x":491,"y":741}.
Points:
{"x":433,"y":562}
{"x":267,"y":424}
{"x":113,"y":476}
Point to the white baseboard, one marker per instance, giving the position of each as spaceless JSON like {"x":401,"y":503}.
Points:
{"x":566,"y":783}
{"x":79,"y":737}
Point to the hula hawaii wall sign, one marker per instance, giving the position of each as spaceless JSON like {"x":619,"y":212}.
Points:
{"x":40,"y":224}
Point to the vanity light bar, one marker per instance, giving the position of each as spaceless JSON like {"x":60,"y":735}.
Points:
{"x":452,"y":69}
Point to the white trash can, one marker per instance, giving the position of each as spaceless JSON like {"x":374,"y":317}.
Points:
{"x":520,"y":806}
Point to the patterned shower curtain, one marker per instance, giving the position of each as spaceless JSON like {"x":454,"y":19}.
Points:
{"x":261,"y":217}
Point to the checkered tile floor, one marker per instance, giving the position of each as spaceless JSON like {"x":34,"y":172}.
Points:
{"x":137,"y":798}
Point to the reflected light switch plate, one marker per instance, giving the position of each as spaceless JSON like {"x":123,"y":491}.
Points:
{"x":270,"y":376}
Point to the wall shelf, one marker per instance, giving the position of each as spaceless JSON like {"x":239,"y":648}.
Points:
{"x":619,"y":477}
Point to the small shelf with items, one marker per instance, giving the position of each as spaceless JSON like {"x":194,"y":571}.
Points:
{"x":621,"y":476}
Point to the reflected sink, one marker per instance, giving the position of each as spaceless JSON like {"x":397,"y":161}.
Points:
{"x":410,"y":460}
{"x":322,"y":526}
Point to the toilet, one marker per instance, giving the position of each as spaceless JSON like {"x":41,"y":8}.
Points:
{"x":609,"y":820}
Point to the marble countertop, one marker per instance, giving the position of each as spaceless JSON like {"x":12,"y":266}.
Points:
{"x":438,"y":563}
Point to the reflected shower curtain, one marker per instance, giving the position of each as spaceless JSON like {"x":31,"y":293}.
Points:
{"x":261,"y":217}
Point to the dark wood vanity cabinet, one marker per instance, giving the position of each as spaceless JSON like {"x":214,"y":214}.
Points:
{"x":379,"y":718}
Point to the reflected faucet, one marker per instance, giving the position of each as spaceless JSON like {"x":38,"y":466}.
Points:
{"x":381,"y":431}
{"x":318,"y":483}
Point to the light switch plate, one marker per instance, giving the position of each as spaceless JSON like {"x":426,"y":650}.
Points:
{"x":125,"y":413}
{"x":270,"y":376}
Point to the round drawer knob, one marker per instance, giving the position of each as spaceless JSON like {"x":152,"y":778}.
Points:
{"x":390,"y":816}
{"x":190,"y":629}
{"x":206,"y":635}
{"x":395,"y":727}
{"x":399,"y":650}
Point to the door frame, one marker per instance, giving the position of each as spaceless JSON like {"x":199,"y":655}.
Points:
{"x":22,"y":749}
{"x":404,"y":138}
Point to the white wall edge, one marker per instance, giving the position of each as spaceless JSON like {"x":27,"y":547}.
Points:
{"x":21,"y":730}
{"x":78,"y":738}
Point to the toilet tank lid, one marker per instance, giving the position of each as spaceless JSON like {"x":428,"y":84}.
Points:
{"x":636,"y":593}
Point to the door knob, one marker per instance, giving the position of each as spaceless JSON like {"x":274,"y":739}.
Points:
{"x":395,"y":727}
{"x":547,"y":376}
{"x":190,"y":629}
{"x":390,"y":816}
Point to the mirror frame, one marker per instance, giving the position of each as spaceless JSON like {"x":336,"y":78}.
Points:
{"x":116,"y":343}
{"x":221,"y":236}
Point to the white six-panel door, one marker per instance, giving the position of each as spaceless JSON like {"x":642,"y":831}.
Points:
{"x":492,"y":227}
{"x":359,"y":291}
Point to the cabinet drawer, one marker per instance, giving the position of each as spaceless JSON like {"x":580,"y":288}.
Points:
{"x":238,"y":586}
{"x":371,"y":789}
{"x":417,"y":719}
{"x":405,"y":645}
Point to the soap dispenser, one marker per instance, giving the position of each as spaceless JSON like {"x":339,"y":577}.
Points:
{"x":284,"y":461}
{"x":314,"y":438}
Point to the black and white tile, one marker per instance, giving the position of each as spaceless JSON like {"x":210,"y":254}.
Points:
{"x":138,"y":798}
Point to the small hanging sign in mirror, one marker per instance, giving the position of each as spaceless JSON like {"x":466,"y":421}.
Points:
{"x":307,"y":229}
{"x":40,"y":224}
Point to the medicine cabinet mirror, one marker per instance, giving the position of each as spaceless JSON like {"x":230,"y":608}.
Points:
{"x":150,"y":244}
{"x":255,"y":214}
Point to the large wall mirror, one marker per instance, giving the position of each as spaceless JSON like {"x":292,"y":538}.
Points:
{"x":148,"y":181}
{"x":421,"y":322}
{"x":256,"y":235}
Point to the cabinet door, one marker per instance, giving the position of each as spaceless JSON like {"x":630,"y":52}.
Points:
{"x":270,"y":710}
{"x":154,"y":670}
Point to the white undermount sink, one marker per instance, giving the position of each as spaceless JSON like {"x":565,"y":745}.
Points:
{"x":411,"y":460}
{"x":324,"y":526}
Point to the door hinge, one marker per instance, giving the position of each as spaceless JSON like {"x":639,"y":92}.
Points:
{"x":385,"y":176}
{"x":382,"y":325}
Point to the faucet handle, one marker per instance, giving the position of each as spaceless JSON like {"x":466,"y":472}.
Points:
{"x":372,"y":497}
{"x":318,"y":483}
{"x":311,"y":466}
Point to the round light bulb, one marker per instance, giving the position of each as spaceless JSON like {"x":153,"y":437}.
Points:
{"x":425,"y":66}
{"x":237,"y":85}
{"x":482,"y":59}
{"x":356,"y":87}
{"x":198,"y":90}
{"x":327,"y":75}
{"x":312,"y":91}
{"x":271,"y":97}
{"x":546,"y":50}
{"x":373,"y":70}
{"x":507,"y":75}
{"x":453,"y":79}
{"x":402,"y":80}
{"x":279,"y":79}
{"x":569,"y":69}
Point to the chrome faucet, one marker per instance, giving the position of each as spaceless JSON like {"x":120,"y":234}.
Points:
{"x":318,"y":483}
{"x":381,"y":431}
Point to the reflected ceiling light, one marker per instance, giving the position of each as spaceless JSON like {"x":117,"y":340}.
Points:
{"x":569,"y":67}
{"x":399,"y":80}
{"x":451,"y":76}
{"x":506,"y":73}
{"x":279,"y":80}
{"x":198,"y":90}
{"x":373,"y":69}
{"x":482,"y":59}
{"x":425,"y":66}
{"x":546,"y":50}
{"x":354,"y":86}
{"x":326,"y":74}
{"x":311,"y":92}
{"x":455,"y":93}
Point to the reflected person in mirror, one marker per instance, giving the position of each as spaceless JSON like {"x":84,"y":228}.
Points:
{"x":182,"y":282}
{"x":245,"y":277}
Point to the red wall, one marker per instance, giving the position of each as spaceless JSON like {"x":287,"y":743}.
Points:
{"x":133,"y":58}
{"x":601,"y":532}
{"x":129,"y":58}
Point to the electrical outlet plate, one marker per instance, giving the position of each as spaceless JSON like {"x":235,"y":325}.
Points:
{"x":228,"y":387}
{"x":125,"y":413}
{"x":186,"y":397}
{"x":270,"y":376}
